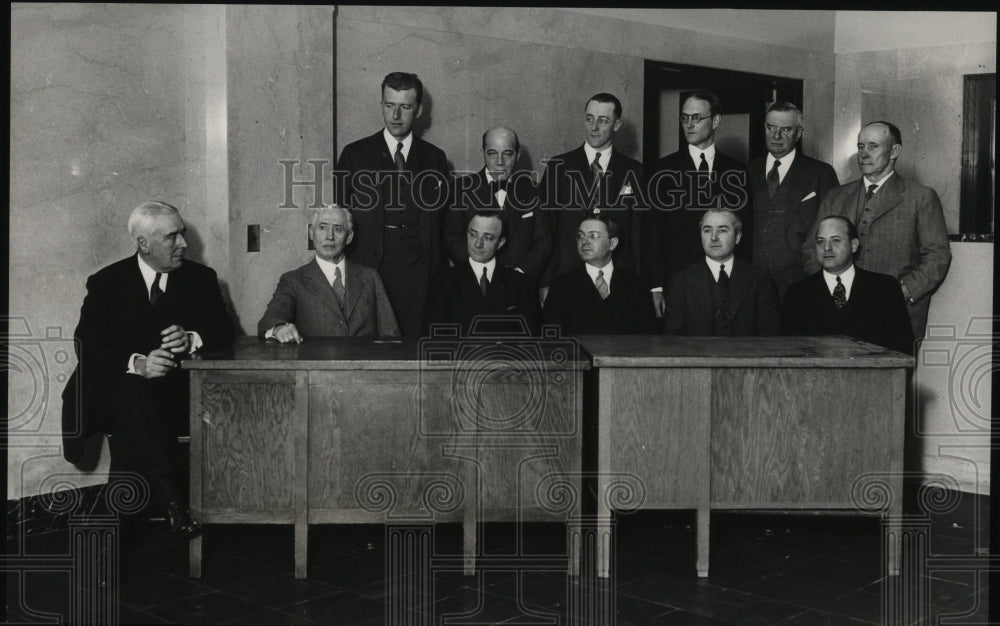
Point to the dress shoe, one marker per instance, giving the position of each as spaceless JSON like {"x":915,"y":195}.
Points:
{"x":182,"y":525}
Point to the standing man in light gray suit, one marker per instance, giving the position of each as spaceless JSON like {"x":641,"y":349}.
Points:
{"x":329,"y":296}
{"x":900,"y":223}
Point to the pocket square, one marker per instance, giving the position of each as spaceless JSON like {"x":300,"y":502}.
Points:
{"x":512,"y":307}
{"x":812,"y":194}
{"x":527,"y":215}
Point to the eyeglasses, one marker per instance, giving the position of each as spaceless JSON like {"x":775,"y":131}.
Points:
{"x":592,"y":235}
{"x":694,"y":119}
{"x":784,"y":131}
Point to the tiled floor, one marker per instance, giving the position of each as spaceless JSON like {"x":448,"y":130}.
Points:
{"x":765,"y":569}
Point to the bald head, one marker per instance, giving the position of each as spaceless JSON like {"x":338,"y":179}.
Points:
{"x":500,"y":151}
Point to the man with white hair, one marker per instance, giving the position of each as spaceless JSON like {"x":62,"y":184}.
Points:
{"x":140,"y":317}
{"x":329,"y":296}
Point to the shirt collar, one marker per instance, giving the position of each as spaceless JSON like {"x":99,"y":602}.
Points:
{"x":608,"y":270}
{"x":696,"y":155}
{"x":878,"y":183}
{"x":786,"y":161}
{"x":477,"y":268}
{"x":846,"y":277}
{"x":392,"y":142}
{"x":331,"y":274}
{"x":714,"y":266}
{"x":605,"y":155}
{"x":149,"y":275}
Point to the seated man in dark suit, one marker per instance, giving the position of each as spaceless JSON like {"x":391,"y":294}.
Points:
{"x":717,"y":296}
{"x":597,"y":297}
{"x":141,"y":316}
{"x":329,"y":296}
{"x":843,"y":299}
{"x":480,"y":285}
{"x":513,"y":194}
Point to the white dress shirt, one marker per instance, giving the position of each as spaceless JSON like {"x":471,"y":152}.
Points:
{"x":786,"y":163}
{"x":714,"y":266}
{"x":846,"y":277}
{"x":709,"y":153}
{"x":392,"y":143}
{"x":608,"y":270}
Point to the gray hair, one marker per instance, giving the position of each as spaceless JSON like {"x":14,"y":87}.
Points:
{"x":733,"y":218}
{"x":140,"y":221}
{"x":334,"y":207}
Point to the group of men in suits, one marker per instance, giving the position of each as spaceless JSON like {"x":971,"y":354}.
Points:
{"x":600,"y":246}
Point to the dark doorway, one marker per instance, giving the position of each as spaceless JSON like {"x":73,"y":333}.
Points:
{"x":744,"y":96}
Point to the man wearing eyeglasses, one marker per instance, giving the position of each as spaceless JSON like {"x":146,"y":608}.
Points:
{"x":396,"y":184}
{"x":786,"y":187}
{"x":593,"y":179}
{"x":329,"y":296}
{"x":599,"y":296}
{"x":681,"y":187}
{"x":513,"y":196}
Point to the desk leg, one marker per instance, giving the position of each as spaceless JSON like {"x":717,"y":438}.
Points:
{"x":895,"y":526}
{"x":301,"y":483}
{"x":704,"y":516}
{"x":603,"y":527}
{"x":194,"y":558}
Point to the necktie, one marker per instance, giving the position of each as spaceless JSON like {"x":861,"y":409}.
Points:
{"x":484,"y":283}
{"x":602,"y":285}
{"x":703,"y":166}
{"x":773,"y":180}
{"x":840,"y":294}
{"x":871,"y":191}
{"x":598,"y":172}
{"x":338,"y":286}
{"x":723,"y":277}
{"x":155,"y":293}
{"x":398,"y":158}
{"x":498,"y":185}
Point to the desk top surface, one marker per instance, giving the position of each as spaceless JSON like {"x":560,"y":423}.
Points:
{"x":784,"y":352}
{"x":359,"y":353}
{"x":343,"y":353}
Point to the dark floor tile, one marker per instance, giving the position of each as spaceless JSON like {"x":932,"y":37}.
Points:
{"x":709,"y":600}
{"x":143,"y":587}
{"x":134,"y":617}
{"x":777,"y":559}
{"x":210,"y":608}
{"x":686,"y":618}
{"x":973,"y":609}
{"x":344,"y":607}
{"x":853,"y":574}
{"x":864,"y":606}
{"x":277,"y":591}
{"x":269,"y":618}
{"x":350,"y":572}
{"x":817,"y":618}
{"x":799,"y":590}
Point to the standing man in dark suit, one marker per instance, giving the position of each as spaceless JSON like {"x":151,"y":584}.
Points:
{"x":513,"y":196}
{"x":900,"y":224}
{"x":397,"y":185}
{"x":786,"y":187}
{"x":719,"y":296}
{"x":140,"y":317}
{"x":591,"y":180}
{"x":599,"y":297}
{"x":681,"y":187}
{"x":480,"y":285}
{"x":329,"y":296}
{"x":844,"y":299}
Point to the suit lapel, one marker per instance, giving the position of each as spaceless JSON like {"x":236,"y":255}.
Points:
{"x":355,"y":285}
{"x":316,"y":280}
{"x":739,"y":286}
{"x":888,"y":197}
{"x":702,"y":291}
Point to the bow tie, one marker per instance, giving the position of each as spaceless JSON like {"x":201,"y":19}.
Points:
{"x":497,"y":185}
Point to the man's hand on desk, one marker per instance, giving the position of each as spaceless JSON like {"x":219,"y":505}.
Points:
{"x":286,"y":333}
{"x":175,"y":339}
{"x":156,"y":364}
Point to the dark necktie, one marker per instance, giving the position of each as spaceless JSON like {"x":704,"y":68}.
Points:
{"x":840,"y":294}
{"x":338,"y":286}
{"x":602,"y":285}
{"x":398,"y":158}
{"x":598,"y":173}
{"x":723,"y":278}
{"x":156,"y":294}
{"x":871,"y":191}
{"x":484,"y":283}
{"x":703,"y":166}
{"x":773,"y":180}
{"x":498,"y":185}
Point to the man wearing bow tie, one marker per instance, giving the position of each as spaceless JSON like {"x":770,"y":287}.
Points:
{"x":901,"y":229}
{"x":396,"y":184}
{"x":513,"y":196}
{"x":593,"y":179}
{"x":786,"y":187}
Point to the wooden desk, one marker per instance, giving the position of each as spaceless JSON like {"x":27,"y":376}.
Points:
{"x":749,"y":423}
{"x":345,"y":430}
